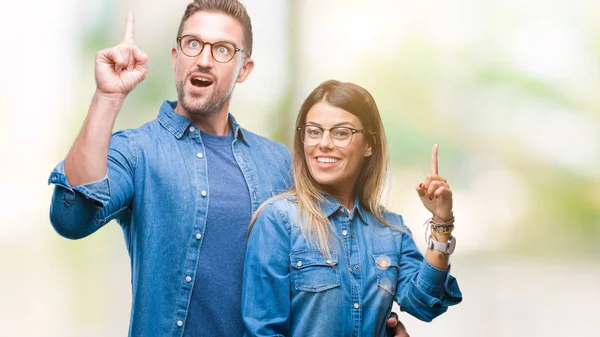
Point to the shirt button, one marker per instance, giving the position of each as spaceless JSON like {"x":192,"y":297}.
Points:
{"x":192,"y":129}
{"x":328,"y":261}
{"x":344,"y":232}
{"x":179,"y":324}
{"x":349,"y":269}
{"x":198,"y":236}
{"x":188,"y":279}
{"x":352,"y":236}
{"x":299,"y":264}
{"x":203,"y":193}
{"x":341,"y":209}
{"x":357,"y":267}
{"x":356,"y":305}
{"x":199,"y":155}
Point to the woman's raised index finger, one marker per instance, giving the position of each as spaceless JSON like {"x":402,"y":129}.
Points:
{"x":434,"y":160}
{"x":129,"y":28}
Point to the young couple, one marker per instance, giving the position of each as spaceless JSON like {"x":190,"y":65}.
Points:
{"x":322,"y":259}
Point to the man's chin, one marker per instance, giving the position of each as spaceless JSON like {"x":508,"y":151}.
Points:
{"x":199,"y":107}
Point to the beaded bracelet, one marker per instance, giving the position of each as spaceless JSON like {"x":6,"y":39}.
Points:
{"x":443,"y":228}
{"x":439,"y":229}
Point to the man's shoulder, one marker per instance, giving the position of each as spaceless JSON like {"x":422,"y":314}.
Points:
{"x":262,"y":141}
{"x":148,"y":130}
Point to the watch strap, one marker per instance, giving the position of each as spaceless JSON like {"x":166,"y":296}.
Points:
{"x":444,"y":247}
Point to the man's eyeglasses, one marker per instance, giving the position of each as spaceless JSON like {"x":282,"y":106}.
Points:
{"x":340,"y":136}
{"x":221,"y":51}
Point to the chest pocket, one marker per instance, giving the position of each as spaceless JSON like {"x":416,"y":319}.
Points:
{"x":312,"y":271}
{"x":388,"y":269}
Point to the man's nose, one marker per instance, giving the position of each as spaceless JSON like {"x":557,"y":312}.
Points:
{"x":205,"y":59}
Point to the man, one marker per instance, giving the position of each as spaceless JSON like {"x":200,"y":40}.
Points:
{"x":183,"y":187}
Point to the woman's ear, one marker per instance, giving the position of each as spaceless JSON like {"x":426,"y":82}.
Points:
{"x":369,"y":150}
{"x":373,"y":141}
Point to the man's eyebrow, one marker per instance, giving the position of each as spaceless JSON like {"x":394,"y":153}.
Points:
{"x":224,"y":40}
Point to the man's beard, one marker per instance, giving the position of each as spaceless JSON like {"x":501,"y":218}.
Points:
{"x":194,"y":107}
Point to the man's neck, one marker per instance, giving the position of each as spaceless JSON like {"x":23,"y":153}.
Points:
{"x":215,"y":123}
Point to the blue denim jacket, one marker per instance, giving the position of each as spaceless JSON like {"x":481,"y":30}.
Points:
{"x":352,"y":294}
{"x":157,"y":189}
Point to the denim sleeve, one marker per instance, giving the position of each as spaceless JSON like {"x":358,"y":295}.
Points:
{"x":289,"y":177}
{"x":266,"y":287}
{"x":78,"y":211}
{"x":423,"y":290}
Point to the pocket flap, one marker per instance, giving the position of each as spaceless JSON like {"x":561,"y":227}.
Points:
{"x":309,"y":258}
{"x":385,"y":260}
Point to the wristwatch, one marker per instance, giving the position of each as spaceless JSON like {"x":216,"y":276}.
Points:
{"x":444,"y":247}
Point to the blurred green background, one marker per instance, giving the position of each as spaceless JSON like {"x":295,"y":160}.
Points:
{"x":510,"y":89}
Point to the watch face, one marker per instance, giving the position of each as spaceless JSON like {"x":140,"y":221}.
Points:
{"x":452,"y":245}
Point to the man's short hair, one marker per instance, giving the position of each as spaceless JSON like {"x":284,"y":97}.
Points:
{"x":233,"y":8}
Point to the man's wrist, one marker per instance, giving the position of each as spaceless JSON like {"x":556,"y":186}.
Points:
{"x":110,"y":100}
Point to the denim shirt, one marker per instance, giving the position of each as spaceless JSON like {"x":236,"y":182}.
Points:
{"x":352,"y":293}
{"x":156,"y":188}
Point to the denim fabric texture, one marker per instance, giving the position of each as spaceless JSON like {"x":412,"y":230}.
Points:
{"x":291,"y":289}
{"x":156,"y":188}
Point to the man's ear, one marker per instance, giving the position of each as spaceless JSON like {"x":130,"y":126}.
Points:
{"x":173,"y":56}
{"x":245,"y":70}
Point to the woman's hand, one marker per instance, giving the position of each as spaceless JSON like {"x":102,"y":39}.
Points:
{"x":435,"y":193}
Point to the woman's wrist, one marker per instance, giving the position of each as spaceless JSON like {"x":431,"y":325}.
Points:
{"x":441,"y":237}
{"x":440,"y":229}
{"x":439,"y":220}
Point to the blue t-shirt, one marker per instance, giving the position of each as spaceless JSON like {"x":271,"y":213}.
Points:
{"x":215,"y":307}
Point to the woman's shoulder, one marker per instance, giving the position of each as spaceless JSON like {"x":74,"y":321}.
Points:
{"x":393,"y":222}
{"x":393,"y":218}
{"x":282,"y":202}
{"x":279,"y":208}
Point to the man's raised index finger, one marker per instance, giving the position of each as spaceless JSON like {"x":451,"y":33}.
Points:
{"x":434,"y":159}
{"x":129,"y":28}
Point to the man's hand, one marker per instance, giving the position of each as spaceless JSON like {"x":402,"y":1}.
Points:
{"x":395,"y":328}
{"x":118,"y":70}
{"x":121,"y":68}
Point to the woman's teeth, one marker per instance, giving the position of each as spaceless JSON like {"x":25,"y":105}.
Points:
{"x":327,"y":160}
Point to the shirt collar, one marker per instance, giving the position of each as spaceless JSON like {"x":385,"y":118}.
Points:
{"x":330,"y":206}
{"x":176,"y":124}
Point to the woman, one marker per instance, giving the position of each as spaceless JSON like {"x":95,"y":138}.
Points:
{"x":325,"y":259}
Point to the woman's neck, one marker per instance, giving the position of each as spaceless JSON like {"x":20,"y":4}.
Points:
{"x":345,"y":198}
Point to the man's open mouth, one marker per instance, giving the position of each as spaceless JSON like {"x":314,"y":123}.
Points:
{"x":201,"y":82}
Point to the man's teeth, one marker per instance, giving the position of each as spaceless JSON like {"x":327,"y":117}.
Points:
{"x":202,"y":79}
{"x":327,"y":160}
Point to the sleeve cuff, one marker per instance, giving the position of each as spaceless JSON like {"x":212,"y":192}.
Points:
{"x":432,"y":280}
{"x":99,"y":190}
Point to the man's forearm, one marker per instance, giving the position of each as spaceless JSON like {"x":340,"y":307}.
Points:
{"x":87,"y":159}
